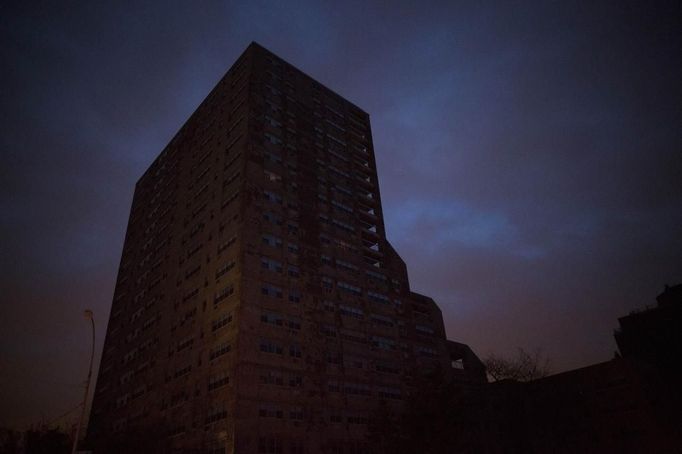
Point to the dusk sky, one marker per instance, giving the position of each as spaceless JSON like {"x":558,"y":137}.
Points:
{"x":529,"y":158}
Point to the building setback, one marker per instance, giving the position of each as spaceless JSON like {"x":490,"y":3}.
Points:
{"x":259,"y":307}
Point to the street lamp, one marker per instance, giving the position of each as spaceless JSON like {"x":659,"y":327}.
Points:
{"x":88,"y":316}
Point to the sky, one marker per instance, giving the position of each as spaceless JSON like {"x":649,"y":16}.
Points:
{"x":529,"y":159}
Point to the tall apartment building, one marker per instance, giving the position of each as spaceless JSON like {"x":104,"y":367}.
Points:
{"x":259,"y":307}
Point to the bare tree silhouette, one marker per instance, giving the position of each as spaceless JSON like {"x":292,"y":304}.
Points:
{"x":524,"y":366}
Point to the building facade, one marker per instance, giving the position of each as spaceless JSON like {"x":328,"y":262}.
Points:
{"x":259,"y":307}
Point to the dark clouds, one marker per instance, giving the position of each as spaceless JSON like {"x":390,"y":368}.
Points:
{"x":528,"y":155}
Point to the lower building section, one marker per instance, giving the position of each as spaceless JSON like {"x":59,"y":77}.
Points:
{"x":277,"y":401}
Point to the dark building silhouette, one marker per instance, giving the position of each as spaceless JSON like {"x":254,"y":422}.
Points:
{"x":465,"y":366}
{"x":631,"y":404}
{"x":259,"y":307}
{"x":610,"y":407}
{"x":654,"y":335}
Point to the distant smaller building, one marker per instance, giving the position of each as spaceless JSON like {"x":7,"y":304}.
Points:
{"x":654,"y":335}
{"x":606,"y":407}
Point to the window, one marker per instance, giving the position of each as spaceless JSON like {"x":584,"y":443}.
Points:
{"x":351,"y":311}
{"x":272,"y":122}
{"x":224,"y":269}
{"x":271,"y":290}
{"x":342,"y":206}
{"x":338,"y":171}
{"x":376,"y":276}
{"x":219,"y":351}
{"x":150,"y":322}
{"x":271,"y":264}
{"x":426,"y":351}
{"x":273,"y":319}
{"x":271,"y":138}
{"x":342,"y":189}
{"x":345,"y":246}
{"x":231,"y":178}
{"x":378,"y":298}
{"x":229,"y":200}
{"x":353,"y":336}
{"x":327,"y":282}
{"x":387,"y":368}
{"x":295,"y":351}
{"x":333,"y":357}
{"x":346,"y":265}
{"x":273,"y":157}
{"x":221,"y":321}
{"x":356,"y":363}
{"x":273,"y":105}
{"x":200,"y":191}
{"x":192,"y":272}
{"x":189,"y":295}
{"x":423,"y":329}
{"x":271,"y":378}
{"x":267,"y":346}
{"x":389,"y":392}
{"x":328,"y":330}
{"x":272,"y":218}
{"x":295,"y":381}
{"x":382,"y":320}
{"x":272,"y":240}
{"x":357,"y":389}
{"x":235,"y":157}
{"x":139,"y":391}
{"x":223,"y":294}
{"x":383,"y":343}
{"x":296,"y":413}
{"x":218,"y":380}
{"x":226,"y":244}
{"x":182,"y":371}
{"x":272,"y":176}
{"x":123,"y":400}
{"x":349,"y":288}
{"x":337,"y":154}
{"x":279,"y":320}
{"x":357,"y":420}
{"x":294,"y":271}
{"x":294,"y":296}
{"x":185,"y":343}
{"x":343,"y":225}
{"x":270,"y":411}
{"x":272,"y":197}
{"x":176,"y":430}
